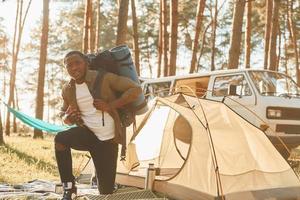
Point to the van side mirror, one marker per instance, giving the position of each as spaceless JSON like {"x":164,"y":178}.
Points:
{"x":232,"y":90}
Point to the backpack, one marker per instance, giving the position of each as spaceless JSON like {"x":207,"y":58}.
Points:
{"x":110,"y":61}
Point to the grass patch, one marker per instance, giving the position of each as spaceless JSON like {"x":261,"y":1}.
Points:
{"x":30,"y":160}
{"x":15,"y":170}
{"x":23,"y":159}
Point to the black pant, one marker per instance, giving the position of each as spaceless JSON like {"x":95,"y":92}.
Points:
{"x":104,"y":155}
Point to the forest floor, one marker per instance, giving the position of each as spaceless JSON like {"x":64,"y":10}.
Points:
{"x":23,"y":159}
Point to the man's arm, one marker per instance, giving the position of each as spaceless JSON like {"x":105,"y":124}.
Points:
{"x":129,"y":89}
{"x":63,"y":108}
{"x":68,"y":114}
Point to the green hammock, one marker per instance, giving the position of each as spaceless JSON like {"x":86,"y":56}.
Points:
{"x":37,"y":123}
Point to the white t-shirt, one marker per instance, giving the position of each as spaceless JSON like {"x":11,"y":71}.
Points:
{"x":91,"y":116}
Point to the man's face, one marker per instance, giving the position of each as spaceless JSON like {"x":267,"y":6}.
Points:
{"x":76,"y":66}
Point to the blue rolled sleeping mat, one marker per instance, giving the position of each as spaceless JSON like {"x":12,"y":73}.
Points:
{"x":127,"y":68}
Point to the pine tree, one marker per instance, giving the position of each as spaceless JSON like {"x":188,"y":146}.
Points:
{"x":236,"y":34}
{"x":42,"y":69}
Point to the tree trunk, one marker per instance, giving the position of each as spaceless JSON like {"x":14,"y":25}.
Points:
{"x":160,"y":39}
{"x":213,"y":38}
{"x":272,"y":58}
{"x":85,"y":40}
{"x":41,"y":76}
{"x":248,"y":35}
{"x":91,"y":29}
{"x":148,"y":55}
{"x":97,"y":39}
{"x":200,"y":10}
{"x":136,"y":48}
{"x":16,"y":49}
{"x":269,"y":6}
{"x":202,"y":45}
{"x":15,"y":105}
{"x":173,"y":40}
{"x":1,"y":131}
{"x":122,"y":22}
{"x":285,"y":45}
{"x":294,"y":39}
{"x":165,"y":23}
{"x":279,"y":49}
{"x":236,"y":34}
{"x":13,"y":70}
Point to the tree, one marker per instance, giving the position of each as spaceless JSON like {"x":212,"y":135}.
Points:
{"x":160,"y":39}
{"x":165,"y":23}
{"x":248,"y":35}
{"x":200,"y":10}
{"x":272,"y":57}
{"x":136,"y":48}
{"x":87,"y":26}
{"x":236,"y":34}
{"x":15,"y":53}
{"x":122,"y":22}
{"x":213,"y":37}
{"x":1,"y":131}
{"x":97,"y":31}
{"x":91,"y":28}
{"x":41,"y":76}
{"x":293,"y":34}
{"x":269,"y":5}
{"x":174,"y":36}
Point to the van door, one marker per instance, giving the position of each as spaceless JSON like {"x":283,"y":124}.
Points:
{"x":239,"y":94}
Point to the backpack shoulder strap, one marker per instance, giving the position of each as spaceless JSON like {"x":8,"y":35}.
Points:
{"x":98,"y":83}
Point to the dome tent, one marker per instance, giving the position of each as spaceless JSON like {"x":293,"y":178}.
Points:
{"x":218,"y":153}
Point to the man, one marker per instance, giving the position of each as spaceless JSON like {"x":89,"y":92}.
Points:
{"x":98,"y":125}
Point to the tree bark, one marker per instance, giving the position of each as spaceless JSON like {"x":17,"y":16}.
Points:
{"x":294,"y":39}
{"x":15,"y":105}
{"x":41,"y":76}
{"x":165,"y":23}
{"x":235,"y":41}
{"x":200,"y":10}
{"x":248,"y":35}
{"x":272,"y":57}
{"x":268,"y":16}
{"x":136,"y":48}
{"x":91,"y":28}
{"x":16,"y":49}
{"x":122,"y":22}
{"x":97,"y":39}
{"x":160,"y":39}
{"x":202,"y":45}
{"x":173,"y":40}
{"x":213,"y":39}
{"x":85,"y":39}
{"x":1,"y":131}
{"x":14,"y":65}
{"x":279,"y":49}
{"x":285,"y":44}
{"x":148,"y":55}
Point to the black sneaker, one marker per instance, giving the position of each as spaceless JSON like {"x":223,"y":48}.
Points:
{"x":69,"y":194}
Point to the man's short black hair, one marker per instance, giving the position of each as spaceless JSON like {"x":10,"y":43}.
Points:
{"x":74,"y":53}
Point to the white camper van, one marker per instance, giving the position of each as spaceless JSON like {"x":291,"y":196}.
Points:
{"x":264,"y":98}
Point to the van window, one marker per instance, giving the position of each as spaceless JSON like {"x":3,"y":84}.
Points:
{"x":198,"y":85}
{"x":274,"y":84}
{"x":160,"y":89}
{"x":224,"y":84}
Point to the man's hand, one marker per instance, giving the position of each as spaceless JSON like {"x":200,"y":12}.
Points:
{"x":102,"y":105}
{"x":72,"y":116}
